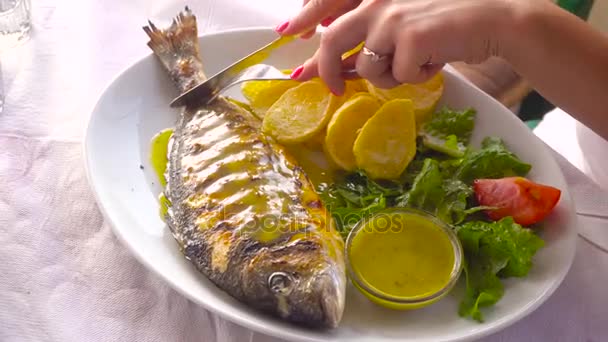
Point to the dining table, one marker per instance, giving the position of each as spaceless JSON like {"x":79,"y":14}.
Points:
{"x":64,"y":276}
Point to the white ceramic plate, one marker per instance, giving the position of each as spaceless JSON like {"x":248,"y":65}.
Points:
{"x":135,"y":107}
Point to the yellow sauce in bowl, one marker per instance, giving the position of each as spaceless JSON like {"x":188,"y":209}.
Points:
{"x":403,"y":258}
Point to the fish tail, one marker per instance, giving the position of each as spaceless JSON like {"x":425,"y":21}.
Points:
{"x":177,"y":48}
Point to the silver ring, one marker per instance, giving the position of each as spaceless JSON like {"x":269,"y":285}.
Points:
{"x":374,"y":56}
{"x":428,"y":61}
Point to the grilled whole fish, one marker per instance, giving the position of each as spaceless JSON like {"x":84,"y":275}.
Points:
{"x":241,"y":209}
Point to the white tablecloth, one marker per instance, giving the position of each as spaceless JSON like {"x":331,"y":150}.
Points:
{"x":63,"y":274}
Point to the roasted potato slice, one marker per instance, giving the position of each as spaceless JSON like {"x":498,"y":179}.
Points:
{"x":387,"y":142}
{"x":424,"y":96}
{"x":300,"y":113}
{"x":344,"y":127}
{"x":263,"y":94}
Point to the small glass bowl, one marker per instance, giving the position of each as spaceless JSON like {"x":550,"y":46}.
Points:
{"x":399,"y":302}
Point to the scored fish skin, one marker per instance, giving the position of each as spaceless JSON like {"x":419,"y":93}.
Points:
{"x":241,"y":209}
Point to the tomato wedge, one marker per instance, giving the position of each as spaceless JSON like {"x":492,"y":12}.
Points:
{"x":527,"y":202}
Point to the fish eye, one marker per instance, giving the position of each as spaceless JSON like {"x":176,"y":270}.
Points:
{"x":280,"y":283}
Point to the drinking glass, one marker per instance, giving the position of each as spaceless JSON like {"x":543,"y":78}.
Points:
{"x":15,"y":26}
{"x":15,"y":22}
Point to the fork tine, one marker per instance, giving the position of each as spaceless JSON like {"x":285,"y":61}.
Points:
{"x":218,"y":83}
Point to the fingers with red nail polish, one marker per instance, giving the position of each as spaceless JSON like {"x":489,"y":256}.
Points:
{"x":296,"y":72}
{"x":307,"y":70}
{"x":281,"y":27}
{"x":310,"y":69}
{"x":327,"y":21}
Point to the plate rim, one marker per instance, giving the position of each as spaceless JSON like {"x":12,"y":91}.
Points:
{"x":498,"y":325}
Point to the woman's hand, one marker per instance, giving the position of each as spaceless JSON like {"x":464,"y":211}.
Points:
{"x":562,"y":57}
{"x":414,"y":38}
{"x":315,"y":12}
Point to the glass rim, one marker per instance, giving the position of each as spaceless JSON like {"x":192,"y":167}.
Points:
{"x":454,"y":274}
{"x":18,"y":6}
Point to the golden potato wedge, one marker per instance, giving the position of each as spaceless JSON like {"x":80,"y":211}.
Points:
{"x":387,"y":142}
{"x":352,"y":88}
{"x":424,"y":96}
{"x":263,"y":94}
{"x":300,"y":113}
{"x":356,"y":86}
{"x":344,"y":127}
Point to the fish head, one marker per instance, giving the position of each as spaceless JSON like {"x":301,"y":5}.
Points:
{"x":300,"y":283}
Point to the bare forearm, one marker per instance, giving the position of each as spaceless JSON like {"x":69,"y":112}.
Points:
{"x":565,"y":59}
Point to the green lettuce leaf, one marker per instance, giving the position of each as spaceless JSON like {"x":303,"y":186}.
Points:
{"x":493,"y":250}
{"x":493,"y":160}
{"x":484,"y":289}
{"x":449,"y":131}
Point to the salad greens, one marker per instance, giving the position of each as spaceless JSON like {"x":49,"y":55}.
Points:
{"x":439,"y":180}
{"x":449,"y":131}
{"x":492,"y":161}
{"x":437,"y":193}
{"x":355,"y":197}
{"x":492,"y":251}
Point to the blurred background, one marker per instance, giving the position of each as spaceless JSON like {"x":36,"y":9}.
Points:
{"x":599,"y":15}
{"x":529,"y":105}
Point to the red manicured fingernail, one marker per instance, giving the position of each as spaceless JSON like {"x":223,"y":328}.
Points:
{"x":297,"y":71}
{"x":281,"y":27}
{"x":327,"y":21}
{"x":335,"y":93}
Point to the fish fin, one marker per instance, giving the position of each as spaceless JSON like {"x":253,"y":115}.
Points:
{"x":177,"y":48}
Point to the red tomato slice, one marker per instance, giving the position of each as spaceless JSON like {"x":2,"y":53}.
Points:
{"x":527,"y":202}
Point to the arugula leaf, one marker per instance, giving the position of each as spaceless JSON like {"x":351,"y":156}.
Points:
{"x":427,"y":190}
{"x":449,"y":131}
{"x":355,"y":197}
{"x":452,"y":122}
{"x":493,"y":250}
{"x":494,"y":160}
{"x":415,"y":166}
{"x":433,"y":192}
{"x":454,"y":206}
{"x":347,"y":218}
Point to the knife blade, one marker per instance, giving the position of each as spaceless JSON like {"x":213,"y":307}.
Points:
{"x":213,"y":85}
